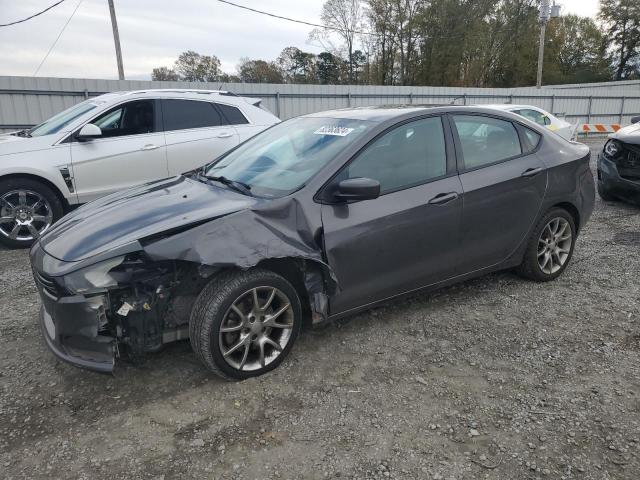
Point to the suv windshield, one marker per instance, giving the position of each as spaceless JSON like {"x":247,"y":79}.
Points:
{"x":283,"y":158}
{"x":59,"y":121}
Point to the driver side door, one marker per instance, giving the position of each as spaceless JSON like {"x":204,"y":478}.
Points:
{"x":130,"y":151}
{"x":409,"y":236}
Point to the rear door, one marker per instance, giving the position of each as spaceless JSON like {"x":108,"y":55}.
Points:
{"x":196,"y":133}
{"x":409,"y":236}
{"x":131,"y":151}
{"x":504,"y":184}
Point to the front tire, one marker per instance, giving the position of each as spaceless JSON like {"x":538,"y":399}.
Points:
{"x":244,"y":323}
{"x":550,"y":247}
{"x":28,"y":208}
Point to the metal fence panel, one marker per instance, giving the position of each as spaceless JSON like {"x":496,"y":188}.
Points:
{"x":26,"y":101}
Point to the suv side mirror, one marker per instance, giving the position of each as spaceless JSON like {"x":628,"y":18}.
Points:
{"x":635,"y":120}
{"x":89,"y":132}
{"x":353,"y":189}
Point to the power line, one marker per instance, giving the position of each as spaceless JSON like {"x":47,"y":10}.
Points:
{"x":261,"y":12}
{"x":32,"y":16}
{"x":57,"y":38}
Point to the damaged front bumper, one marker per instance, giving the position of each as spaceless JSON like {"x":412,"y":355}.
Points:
{"x":619,"y":181}
{"x":94,"y":352}
{"x":75,"y":327}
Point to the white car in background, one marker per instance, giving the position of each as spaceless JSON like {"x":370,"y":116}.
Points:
{"x":112,"y":142}
{"x":541,"y":117}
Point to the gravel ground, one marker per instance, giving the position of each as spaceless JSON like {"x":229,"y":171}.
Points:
{"x":494,"y":378}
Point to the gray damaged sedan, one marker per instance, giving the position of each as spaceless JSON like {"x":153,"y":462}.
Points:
{"x":316,"y":218}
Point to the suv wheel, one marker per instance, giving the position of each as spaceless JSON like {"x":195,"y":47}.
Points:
{"x":243,"y":324}
{"x":28,"y":208}
{"x":550,"y":247}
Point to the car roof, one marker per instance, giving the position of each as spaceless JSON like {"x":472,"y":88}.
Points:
{"x":376,"y":113}
{"x":384,"y":113}
{"x":173,"y":92}
{"x":510,"y":106}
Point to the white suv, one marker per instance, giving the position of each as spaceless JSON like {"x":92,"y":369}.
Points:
{"x":112,"y":142}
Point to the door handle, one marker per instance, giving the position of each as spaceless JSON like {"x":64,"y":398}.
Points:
{"x":531,"y":172}
{"x":443,"y":198}
{"x":225,"y":135}
{"x":149,"y":147}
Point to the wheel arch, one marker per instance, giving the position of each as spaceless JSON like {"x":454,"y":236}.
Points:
{"x":573,"y":211}
{"x":292,"y":270}
{"x":54,"y":188}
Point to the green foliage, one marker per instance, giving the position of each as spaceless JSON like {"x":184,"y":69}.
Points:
{"x":474,"y":43}
{"x":622,"y":19}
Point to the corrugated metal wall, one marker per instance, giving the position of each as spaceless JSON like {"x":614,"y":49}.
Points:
{"x":26,"y":101}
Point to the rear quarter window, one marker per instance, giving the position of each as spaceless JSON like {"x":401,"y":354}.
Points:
{"x":233,"y":114}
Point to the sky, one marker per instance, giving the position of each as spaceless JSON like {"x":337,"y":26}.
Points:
{"x":154,"y":33}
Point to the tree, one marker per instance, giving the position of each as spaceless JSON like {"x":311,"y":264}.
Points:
{"x":622,"y":19}
{"x":575,"y":52}
{"x":328,"y":68}
{"x":193,"y":67}
{"x":259,"y":71}
{"x":297,"y":66}
{"x":164,"y":74}
{"x":344,"y":17}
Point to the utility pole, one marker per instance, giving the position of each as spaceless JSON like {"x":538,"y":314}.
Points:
{"x":547,"y":11}
{"x":116,"y":39}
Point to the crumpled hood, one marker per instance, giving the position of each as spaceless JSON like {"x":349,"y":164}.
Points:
{"x":628,"y":134}
{"x":140,"y":212}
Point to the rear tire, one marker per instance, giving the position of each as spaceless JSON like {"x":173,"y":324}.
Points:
{"x":237,"y":338}
{"x":605,"y":194}
{"x":28,"y":208}
{"x":550,"y":247}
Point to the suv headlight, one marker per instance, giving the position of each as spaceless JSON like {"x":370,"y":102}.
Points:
{"x":95,"y":277}
{"x":612,"y":148}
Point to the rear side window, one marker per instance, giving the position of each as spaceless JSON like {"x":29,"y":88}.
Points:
{"x":486,"y":140}
{"x":233,"y":115}
{"x":184,"y":114}
{"x":531,"y":140}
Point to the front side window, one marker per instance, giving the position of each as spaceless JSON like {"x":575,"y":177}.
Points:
{"x":281,"y":159}
{"x":62,"y":119}
{"x":486,"y":140}
{"x":186,"y":114}
{"x":131,"y":118}
{"x":409,"y":155}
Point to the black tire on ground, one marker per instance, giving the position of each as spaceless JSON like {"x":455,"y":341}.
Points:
{"x":15,"y":183}
{"x":529,"y":268}
{"x":605,"y":194}
{"x":209,"y":311}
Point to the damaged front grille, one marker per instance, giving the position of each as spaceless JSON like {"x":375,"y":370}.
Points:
{"x":629,"y":162}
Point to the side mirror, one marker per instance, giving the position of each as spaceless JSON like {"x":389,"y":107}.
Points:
{"x":89,"y":132}
{"x":358,"y":189}
{"x":635,"y":120}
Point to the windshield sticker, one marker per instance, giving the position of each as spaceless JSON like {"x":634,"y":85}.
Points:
{"x":335,"y":131}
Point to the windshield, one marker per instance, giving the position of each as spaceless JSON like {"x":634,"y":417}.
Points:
{"x":59,"y":121}
{"x":283,"y":158}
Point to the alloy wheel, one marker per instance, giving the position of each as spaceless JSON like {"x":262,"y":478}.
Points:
{"x":554,"y":245}
{"x":256,"y":328}
{"x":24,"y":215}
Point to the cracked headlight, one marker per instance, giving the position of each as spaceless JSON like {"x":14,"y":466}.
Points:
{"x":95,"y":277}
{"x":612,"y":148}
